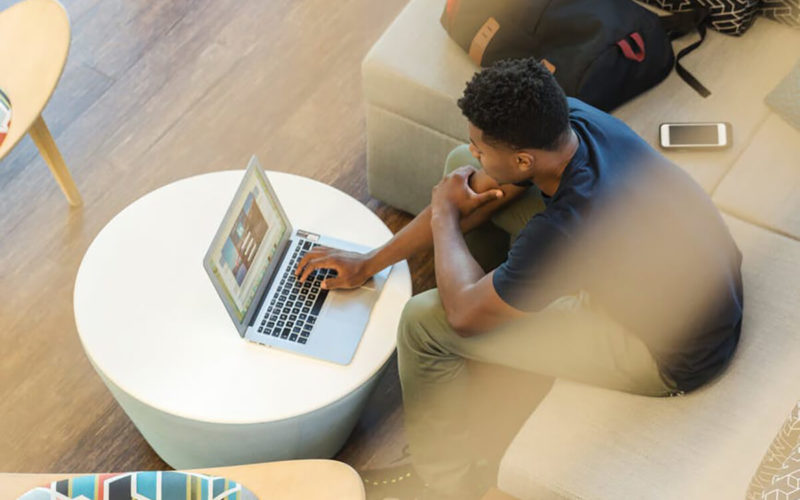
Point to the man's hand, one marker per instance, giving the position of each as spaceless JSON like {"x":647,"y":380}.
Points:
{"x":453,"y":194}
{"x":350,"y":267}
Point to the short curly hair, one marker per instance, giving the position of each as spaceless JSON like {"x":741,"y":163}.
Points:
{"x":517,"y":103}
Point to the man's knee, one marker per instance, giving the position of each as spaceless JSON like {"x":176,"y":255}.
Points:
{"x":459,"y":156}
{"x":422,"y":317}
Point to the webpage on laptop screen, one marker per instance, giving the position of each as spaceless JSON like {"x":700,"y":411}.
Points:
{"x":248,"y":243}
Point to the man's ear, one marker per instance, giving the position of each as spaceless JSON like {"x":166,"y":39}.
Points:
{"x":525,"y":161}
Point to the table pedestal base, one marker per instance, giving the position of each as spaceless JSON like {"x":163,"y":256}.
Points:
{"x":191,"y":444}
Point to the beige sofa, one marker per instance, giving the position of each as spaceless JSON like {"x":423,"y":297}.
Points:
{"x":585,"y":442}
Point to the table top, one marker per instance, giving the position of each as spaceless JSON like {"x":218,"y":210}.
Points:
{"x":34,"y":42}
{"x":150,"y":320}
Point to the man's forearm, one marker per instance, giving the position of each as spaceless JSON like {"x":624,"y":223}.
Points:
{"x":456,"y":268}
{"x":412,"y":238}
{"x":417,"y":236}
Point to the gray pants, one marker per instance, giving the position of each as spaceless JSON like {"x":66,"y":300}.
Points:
{"x":571,"y":339}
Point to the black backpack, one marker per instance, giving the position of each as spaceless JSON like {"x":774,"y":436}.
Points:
{"x":603,"y":52}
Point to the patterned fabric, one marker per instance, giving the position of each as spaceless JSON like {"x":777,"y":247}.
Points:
{"x":783,"y":11}
{"x":778,"y":476}
{"x":785,"y":98}
{"x":786,"y":483}
{"x":5,"y":115}
{"x":732,"y":17}
{"x":150,"y":485}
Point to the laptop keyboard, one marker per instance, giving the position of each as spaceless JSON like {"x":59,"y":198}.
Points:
{"x":293,"y":309}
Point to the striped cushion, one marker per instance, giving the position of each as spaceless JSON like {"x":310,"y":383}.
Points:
{"x":150,"y":485}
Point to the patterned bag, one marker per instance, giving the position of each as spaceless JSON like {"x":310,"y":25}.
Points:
{"x":783,"y":11}
{"x":732,"y":17}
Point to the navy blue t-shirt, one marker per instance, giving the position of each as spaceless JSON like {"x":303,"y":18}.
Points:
{"x":645,"y":242}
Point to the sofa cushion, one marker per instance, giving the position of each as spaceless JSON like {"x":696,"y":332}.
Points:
{"x":786,"y":483}
{"x":764,"y":184}
{"x":586,"y":442}
{"x":785,"y":98}
{"x":416,"y":71}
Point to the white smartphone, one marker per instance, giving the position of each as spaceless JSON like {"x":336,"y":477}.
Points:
{"x":709,"y":135}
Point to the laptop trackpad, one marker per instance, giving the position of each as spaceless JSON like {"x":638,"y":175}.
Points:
{"x":349,"y":305}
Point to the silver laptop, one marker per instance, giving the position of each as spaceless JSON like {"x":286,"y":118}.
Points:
{"x":251,"y":262}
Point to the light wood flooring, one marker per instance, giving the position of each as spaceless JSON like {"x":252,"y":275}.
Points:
{"x":154,"y":92}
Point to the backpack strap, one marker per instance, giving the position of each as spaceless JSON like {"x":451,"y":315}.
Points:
{"x":681,"y":23}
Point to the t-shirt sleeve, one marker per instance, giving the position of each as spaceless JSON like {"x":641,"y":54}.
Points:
{"x":527,"y":279}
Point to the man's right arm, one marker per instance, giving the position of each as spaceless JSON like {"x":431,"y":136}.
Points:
{"x":354,"y":269}
{"x":417,"y":236}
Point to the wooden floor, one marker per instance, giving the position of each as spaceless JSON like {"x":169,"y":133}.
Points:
{"x":155,"y":91}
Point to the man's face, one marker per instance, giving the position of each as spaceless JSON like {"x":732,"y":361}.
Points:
{"x":501,"y":164}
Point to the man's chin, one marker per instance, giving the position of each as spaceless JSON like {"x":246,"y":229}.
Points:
{"x":504,"y":180}
{"x":498,"y":180}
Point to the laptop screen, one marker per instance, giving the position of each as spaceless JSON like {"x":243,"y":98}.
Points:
{"x":246,"y":242}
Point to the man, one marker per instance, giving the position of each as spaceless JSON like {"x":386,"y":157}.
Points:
{"x":621,"y":274}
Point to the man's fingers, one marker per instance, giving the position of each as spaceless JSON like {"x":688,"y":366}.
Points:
{"x":463,"y":173}
{"x":464,"y":170}
{"x":333,"y":283}
{"x":486,"y":197}
{"x":312,"y":266}
{"x":313,"y":254}
{"x":321,"y":263}
{"x":301,"y":264}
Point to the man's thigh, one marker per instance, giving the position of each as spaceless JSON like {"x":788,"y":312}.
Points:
{"x":511,"y":218}
{"x":569,"y":339}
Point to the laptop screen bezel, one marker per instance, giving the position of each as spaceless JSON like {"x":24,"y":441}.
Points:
{"x":253,"y":169}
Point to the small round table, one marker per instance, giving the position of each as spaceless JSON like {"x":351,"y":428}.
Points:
{"x":158,"y":335}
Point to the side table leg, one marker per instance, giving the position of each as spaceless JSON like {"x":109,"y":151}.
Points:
{"x":47,"y":147}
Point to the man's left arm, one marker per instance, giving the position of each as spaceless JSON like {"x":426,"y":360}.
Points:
{"x":468,"y":295}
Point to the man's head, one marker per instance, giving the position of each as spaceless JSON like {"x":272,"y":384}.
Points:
{"x":518,"y":119}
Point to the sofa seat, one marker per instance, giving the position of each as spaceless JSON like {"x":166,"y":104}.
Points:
{"x":764,"y":184}
{"x":586,"y":442}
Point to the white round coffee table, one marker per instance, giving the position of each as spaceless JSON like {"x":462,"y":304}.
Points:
{"x":158,"y":335}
